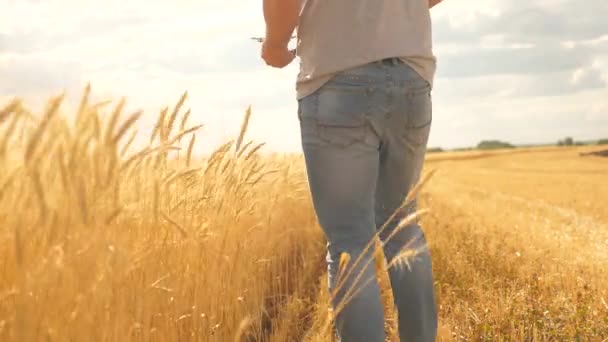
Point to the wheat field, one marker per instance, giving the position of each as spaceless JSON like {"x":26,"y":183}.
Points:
{"x":102,"y":240}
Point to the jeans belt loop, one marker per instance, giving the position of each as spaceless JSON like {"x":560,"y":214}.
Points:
{"x":390,"y":60}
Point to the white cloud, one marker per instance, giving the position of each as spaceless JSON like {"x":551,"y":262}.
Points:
{"x":516,"y":69}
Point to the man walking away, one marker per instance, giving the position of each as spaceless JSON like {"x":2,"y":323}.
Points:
{"x":364,"y":107}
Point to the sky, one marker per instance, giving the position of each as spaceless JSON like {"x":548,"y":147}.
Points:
{"x":523,"y":71}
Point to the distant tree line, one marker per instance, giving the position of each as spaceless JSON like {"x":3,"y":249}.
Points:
{"x":493,"y":144}
{"x":434,"y":149}
{"x":568,"y":141}
{"x":498,"y":144}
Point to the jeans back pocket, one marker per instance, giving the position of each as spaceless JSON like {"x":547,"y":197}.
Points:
{"x":419,"y":115}
{"x":341,"y":115}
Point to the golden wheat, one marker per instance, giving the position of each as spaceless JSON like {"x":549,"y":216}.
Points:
{"x":139,"y":203}
{"x":102,"y":239}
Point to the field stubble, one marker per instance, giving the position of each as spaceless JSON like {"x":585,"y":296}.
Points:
{"x":104,"y":242}
{"x":520,"y":246}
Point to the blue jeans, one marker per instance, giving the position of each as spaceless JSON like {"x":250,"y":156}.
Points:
{"x":364,"y":137}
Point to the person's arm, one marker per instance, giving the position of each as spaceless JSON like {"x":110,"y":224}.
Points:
{"x":432,"y":3}
{"x":281,"y":18}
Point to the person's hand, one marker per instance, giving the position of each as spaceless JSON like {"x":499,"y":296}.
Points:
{"x":277,"y":56}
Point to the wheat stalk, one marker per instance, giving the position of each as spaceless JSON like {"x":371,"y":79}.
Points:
{"x":180,"y":229}
{"x":18,"y":245}
{"x":125,"y":127}
{"x":81,"y":192}
{"x":159,"y":128}
{"x":36,"y":136}
{"x":39,"y":194}
{"x":83,"y":105}
{"x":113,"y":215}
{"x":243,"y":130}
{"x":173,"y":116}
{"x":111,"y":126}
{"x":125,"y":148}
{"x":190,"y":148}
{"x":9,"y":181}
{"x":10,"y":108}
{"x":245,"y":323}
{"x":8,"y":134}
{"x":182,"y":126}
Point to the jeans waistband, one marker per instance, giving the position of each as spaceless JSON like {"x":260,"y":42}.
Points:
{"x":390,"y":61}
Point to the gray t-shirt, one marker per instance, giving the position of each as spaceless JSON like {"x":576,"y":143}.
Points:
{"x":334,"y":35}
